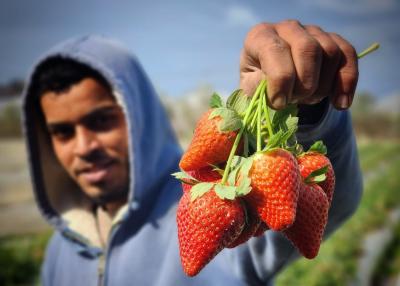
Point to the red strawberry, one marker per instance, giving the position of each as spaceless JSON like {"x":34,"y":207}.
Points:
{"x":312,"y":215}
{"x":263,"y":227}
{"x":312,"y":161}
{"x":205,"y":227}
{"x":206,"y":174}
{"x":275,"y":182}
{"x":252,"y":223}
{"x":209,"y":145}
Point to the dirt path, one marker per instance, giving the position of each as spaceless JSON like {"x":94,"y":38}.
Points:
{"x":18,"y":211}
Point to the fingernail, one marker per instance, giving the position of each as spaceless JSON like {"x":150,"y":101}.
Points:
{"x":279,"y":101}
{"x":343,"y":101}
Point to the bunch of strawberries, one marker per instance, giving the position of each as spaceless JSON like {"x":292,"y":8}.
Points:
{"x":243,"y":173}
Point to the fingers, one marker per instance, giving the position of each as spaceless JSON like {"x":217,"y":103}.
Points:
{"x":302,"y":64}
{"x":306,"y":55}
{"x":347,"y":75}
{"x":265,"y":53}
{"x":331,"y":57}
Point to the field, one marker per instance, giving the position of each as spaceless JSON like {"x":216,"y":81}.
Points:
{"x":23,"y":234}
{"x":339,"y":260}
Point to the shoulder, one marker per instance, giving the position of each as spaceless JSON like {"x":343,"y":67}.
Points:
{"x":47,"y":271}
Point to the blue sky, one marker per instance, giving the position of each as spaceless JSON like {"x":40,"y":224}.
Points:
{"x":186,"y":44}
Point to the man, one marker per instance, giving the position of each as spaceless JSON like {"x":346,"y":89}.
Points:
{"x":102,"y":151}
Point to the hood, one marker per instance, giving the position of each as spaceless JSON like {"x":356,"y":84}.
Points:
{"x":153,"y":150}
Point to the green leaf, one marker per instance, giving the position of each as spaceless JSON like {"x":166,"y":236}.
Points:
{"x":291,"y":128}
{"x":182,"y":176}
{"x":317,"y":174}
{"x":272,"y":113}
{"x":292,"y":123}
{"x":215,"y":101}
{"x":230,"y":119}
{"x":280,"y":117}
{"x":230,"y":124}
{"x":320,"y":178}
{"x":235,"y":166}
{"x":230,"y":102}
{"x":232,"y":176}
{"x":200,"y":189}
{"x":244,"y":187}
{"x":245,"y":182}
{"x":241,"y":165}
{"x":319,"y":147}
{"x":225,"y":192}
{"x":276,"y":140}
{"x":245,"y":166}
{"x":238,"y":101}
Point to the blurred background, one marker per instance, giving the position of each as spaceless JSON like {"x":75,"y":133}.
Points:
{"x":191,"y":49}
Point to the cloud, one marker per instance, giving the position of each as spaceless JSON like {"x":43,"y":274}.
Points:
{"x":354,"y":6}
{"x":238,"y":15}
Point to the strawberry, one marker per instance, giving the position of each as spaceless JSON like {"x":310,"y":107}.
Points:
{"x":205,"y":226}
{"x":209,"y":145}
{"x":275,"y":181}
{"x":252,"y":223}
{"x":312,"y":215}
{"x":311,"y":161}
{"x":206,"y":174}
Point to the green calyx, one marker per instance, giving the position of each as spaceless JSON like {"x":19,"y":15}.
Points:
{"x":230,"y":119}
{"x":185,"y":178}
{"x":200,"y":189}
{"x":318,"y":147}
{"x":317,"y":176}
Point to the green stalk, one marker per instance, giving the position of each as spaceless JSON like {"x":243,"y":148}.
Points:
{"x":266,"y":111}
{"x":260,"y":101}
{"x":368,"y":50}
{"x":254,"y":118}
{"x":237,"y":139}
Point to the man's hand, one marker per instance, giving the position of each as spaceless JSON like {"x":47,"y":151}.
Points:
{"x":302,"y":64}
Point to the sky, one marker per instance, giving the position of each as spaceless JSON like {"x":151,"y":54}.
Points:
{"x":187,"y":44}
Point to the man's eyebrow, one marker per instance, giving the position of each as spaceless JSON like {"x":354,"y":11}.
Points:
{"x":100,"y":110}
{"x":56,"y":125}
{"x":103,"y":109}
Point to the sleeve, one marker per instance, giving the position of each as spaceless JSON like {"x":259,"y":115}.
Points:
{"x":259,"y":260}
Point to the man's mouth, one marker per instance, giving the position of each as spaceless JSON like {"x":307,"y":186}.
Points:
{"x":96,"y":173}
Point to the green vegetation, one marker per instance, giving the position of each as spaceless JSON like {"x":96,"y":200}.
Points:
{"x":372,"y":153}
{"x":21,"y":258}
{"x":336,"y":263}
{"x":389,"y":263}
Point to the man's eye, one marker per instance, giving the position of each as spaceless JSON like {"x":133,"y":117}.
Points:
{"x":102,"y":122}
{"x":62,"y":132}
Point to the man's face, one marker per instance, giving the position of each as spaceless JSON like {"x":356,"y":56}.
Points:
{"x":89,"y":135}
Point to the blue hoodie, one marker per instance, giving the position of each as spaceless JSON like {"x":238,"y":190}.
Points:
{"x":142,"y":248}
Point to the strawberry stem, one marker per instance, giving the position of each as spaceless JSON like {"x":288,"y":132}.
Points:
{"x":260,"y":101}
{"x":253,"y":121}
{"x":244,"y":126}
{"x":368,"y":50}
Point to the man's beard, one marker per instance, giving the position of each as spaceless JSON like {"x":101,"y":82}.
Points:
{"x":111,"y":197}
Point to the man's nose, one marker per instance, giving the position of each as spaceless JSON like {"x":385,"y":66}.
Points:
{"x":86,"y":142}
